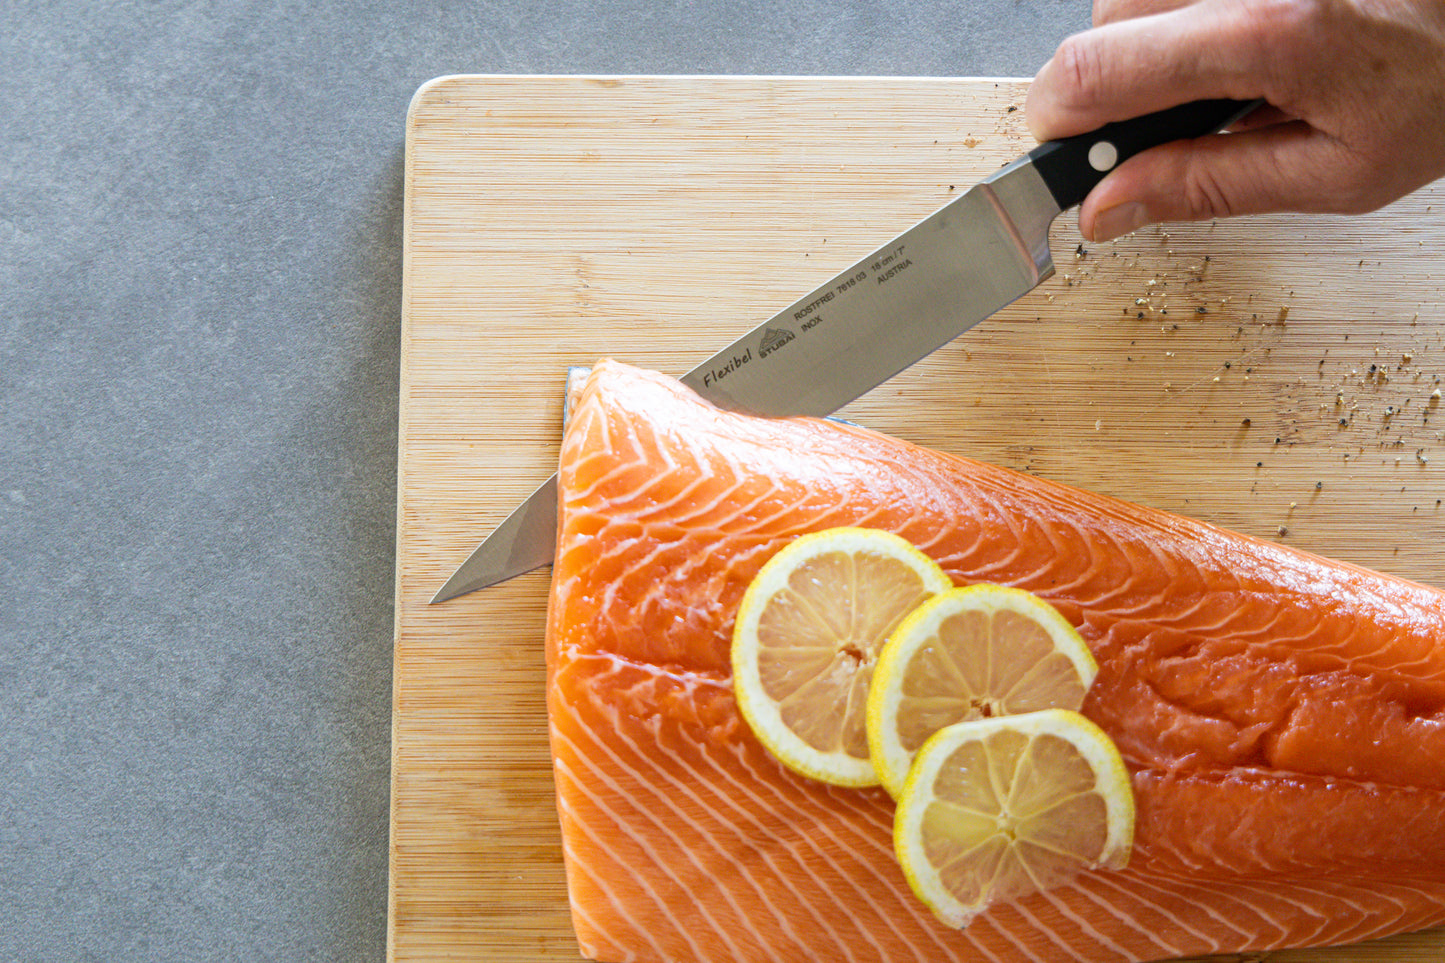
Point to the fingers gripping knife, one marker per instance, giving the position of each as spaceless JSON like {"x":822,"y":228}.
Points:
{"x":905,"y":300}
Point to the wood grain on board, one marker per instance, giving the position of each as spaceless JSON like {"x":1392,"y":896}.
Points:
{"x":1273,"y":375}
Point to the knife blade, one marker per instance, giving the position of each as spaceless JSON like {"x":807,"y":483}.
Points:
{"x":904,"y":300}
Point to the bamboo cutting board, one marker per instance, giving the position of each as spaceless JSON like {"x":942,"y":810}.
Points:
{"x":1273,"y":375}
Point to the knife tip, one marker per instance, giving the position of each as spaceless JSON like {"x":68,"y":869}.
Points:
{"x":460,"y":584}
{"x":456,"y":586}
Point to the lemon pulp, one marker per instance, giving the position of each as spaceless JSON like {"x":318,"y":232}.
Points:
{"x":995,"y":809}
{"x":970,"y":653}
{"x":807,"y":637}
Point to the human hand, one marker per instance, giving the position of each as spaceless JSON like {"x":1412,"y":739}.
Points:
{"x":1355,"y":114}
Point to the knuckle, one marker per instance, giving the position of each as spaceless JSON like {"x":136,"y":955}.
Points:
{"x":1283,"y":17}
{"x":1347,"y":180}
{"x":1080,"y":72}
{"x":1275,"y":25}
{"x":1274,"y":38}
{"x":1358,"y":193}
{"x":1205,"y":195}
{"x":1359,"y":202}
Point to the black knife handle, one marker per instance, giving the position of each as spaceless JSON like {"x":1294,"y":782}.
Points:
{"x":1072,"y":167}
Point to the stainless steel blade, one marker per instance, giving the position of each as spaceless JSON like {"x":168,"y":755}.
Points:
{"x":525,"y":539}
{"x":897,"y":305}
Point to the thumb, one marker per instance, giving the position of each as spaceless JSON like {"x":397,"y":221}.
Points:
{"x":1282,"y":167}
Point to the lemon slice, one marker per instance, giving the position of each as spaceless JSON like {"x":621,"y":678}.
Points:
{"x":996,"y":809}
{"x":807,"y":636}
{"x":971,"y":653}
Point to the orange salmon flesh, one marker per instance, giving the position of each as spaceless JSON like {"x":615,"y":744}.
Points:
{"x":1282,"y":716}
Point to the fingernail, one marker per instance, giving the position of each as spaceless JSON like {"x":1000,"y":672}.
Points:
{"x":1119,"y":220}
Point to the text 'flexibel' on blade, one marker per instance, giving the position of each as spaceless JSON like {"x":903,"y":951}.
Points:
{"x":737,"y":361}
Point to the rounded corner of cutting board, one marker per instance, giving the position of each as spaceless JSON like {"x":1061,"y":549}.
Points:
{"x":433,"y":92}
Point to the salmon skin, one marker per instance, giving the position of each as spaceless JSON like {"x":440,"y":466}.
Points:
{"x":1282,"y":716}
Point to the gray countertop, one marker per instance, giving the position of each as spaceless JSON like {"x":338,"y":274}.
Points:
{"x":200,"y":255}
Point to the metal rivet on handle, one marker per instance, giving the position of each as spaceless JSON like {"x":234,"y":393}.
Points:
{"x":1103,"y":156}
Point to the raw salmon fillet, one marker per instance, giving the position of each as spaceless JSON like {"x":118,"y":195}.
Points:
{"x":1282,"y":716}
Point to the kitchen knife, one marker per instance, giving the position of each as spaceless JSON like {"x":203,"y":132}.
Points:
{"x":905,"y":300}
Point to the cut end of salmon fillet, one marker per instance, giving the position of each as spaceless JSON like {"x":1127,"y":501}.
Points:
{"x":1282,"y":715}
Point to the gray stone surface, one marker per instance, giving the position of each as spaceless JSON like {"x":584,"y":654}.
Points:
{"x":200,"y":250}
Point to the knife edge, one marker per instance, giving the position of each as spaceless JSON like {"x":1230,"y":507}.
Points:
{"x":524,"y":541}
